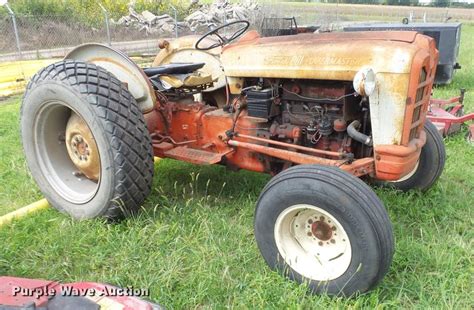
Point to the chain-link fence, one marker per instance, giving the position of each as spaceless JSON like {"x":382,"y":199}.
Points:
{"x":52,"y":36}
{"x":7,"y":35}
{"x":38,"y":33}
{"x":43,"y":36}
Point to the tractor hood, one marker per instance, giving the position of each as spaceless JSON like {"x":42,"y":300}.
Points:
{"x":326,"y":56}
{"x":404,"y":63}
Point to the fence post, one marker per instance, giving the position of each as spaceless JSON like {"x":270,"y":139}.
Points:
{"x":175,"y":20}
{"x":107,"y":27}
{"x":225,"y":16}
{"x":15,"y":29}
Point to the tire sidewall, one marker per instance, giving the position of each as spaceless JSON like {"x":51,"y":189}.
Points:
{"x":36,"y":98}
{"x":284,"y":194}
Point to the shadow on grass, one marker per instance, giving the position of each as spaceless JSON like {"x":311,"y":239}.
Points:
{"x":179,"y":181}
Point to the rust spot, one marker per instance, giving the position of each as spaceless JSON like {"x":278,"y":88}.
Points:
{"x":321,"y":230}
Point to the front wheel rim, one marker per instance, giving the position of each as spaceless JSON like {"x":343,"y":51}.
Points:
{"x":313,"y":242}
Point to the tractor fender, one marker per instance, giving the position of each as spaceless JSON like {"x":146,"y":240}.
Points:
{"x":183,"y":50}
{"x":122,"y":67}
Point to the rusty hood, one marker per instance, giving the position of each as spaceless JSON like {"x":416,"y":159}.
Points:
{"x":328,"y":56}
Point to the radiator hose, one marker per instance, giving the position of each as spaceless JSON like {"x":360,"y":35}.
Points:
{"x":353,"y":132}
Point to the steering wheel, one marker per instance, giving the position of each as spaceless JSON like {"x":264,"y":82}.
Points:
{"x":222,"y":40}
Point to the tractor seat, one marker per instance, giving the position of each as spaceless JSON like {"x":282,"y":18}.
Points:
{"x":174,"y":68}
{"x":176,"y":76}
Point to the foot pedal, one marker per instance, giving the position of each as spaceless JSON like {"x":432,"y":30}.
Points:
{"x":194,"y":156}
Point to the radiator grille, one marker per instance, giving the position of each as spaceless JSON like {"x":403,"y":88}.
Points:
{"x":420,"y":100}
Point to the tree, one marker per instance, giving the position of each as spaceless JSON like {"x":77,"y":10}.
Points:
{"x":402,"y":2}
{"x":441,"y":3}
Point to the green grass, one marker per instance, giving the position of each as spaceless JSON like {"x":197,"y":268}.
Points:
{"x":193,"y":245}
{"x":17,"y":188}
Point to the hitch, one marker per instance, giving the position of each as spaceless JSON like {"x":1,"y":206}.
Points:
{"x":448,"y":115}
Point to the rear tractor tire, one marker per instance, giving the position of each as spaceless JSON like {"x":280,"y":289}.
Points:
{"x":85,"y":141}
{"x":324,"y":227}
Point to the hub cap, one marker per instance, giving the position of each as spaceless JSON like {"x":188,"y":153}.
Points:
{"x":312,"y":242}
{"x":82,"y":148}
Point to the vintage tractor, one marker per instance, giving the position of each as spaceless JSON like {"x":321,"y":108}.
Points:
{"x":317,"y":111}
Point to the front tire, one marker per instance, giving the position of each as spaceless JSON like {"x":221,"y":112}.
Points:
{"x":430,"y":164}
{"x":322,"y":226}
{"x":85,"y":141}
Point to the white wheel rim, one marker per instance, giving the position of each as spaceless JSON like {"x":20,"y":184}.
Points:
{"x":312,"y":242}
{"x":409,"y":175}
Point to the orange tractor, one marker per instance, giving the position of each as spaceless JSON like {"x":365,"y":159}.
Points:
{"x":317,"y":111}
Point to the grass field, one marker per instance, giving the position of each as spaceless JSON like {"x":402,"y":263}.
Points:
{"x":193,"y":244}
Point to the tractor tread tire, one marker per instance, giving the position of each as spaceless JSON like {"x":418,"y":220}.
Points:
{"x":124,"y":125}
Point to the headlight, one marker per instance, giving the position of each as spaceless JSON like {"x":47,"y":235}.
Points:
{"x":364,"y":82}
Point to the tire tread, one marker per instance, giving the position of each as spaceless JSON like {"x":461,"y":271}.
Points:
{"x":124,"y":125}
